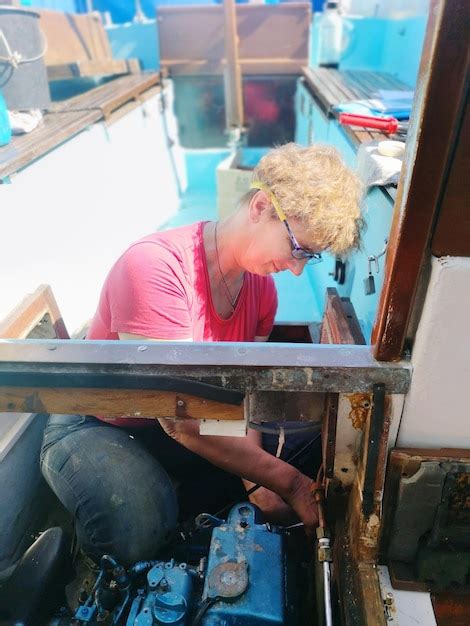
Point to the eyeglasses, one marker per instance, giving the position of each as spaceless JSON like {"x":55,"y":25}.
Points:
{"x":298,"y":252}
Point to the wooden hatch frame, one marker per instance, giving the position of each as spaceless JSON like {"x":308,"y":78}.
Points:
{"x":433,"y":192}
{"x":434,"y":144}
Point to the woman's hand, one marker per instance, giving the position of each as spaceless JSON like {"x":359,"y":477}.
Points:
{"x":298,"y":504}
{"x":301,"y":499}
{"x":273,"y":507}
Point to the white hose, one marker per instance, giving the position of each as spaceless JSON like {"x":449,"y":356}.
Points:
{"x":327,"y":590}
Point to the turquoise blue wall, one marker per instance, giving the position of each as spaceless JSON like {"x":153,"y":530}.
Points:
{"x":314,"y":126}
{"x":402,"y":48}
{"x":388,"y":45}
{"x":136,"y":41}
{"x":365,"y":41}
{"x":69,"y":6}
{"x":199,"y":199}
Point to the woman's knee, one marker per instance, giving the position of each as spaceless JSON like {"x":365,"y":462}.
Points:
{"x":122,"y":499}
{"x":129,"y":531}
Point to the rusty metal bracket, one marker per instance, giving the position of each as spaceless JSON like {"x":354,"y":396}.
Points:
{"x":329,"y":434}
{"x":375,"y":432}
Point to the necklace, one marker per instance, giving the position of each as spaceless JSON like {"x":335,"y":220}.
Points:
{"x":228,"y":293}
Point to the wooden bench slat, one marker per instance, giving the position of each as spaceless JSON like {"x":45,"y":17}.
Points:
{"x":65,"y":119}
{"x":346,"y":85}
{"x":54,"y":130}
{"x":358,"y":89}
{"x":320,"y":90}
{"x":331,"y":87}
{"x":111,"y":95}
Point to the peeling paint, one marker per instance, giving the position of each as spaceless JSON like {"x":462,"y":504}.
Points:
{"x":308,"y":376}
{"x":360,"y":409}
{"x":257,"y":548}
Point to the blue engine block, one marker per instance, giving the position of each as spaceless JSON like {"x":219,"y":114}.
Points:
{"x":245,"y":573}
{"x":168,"y":600}
{"x":243,"y":583}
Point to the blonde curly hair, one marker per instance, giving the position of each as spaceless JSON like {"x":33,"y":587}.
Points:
{"x":313,"y":185}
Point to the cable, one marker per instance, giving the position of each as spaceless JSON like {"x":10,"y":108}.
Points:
{"x":281,"y":442}
{"x":220,"y":513}
{"x":205,"y":606}
{"x":289,"y":460}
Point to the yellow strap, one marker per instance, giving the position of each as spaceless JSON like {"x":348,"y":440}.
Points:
{"x":257,"y":184}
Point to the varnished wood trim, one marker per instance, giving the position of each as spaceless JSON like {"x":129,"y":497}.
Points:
{"x":452,"y":234}
{"x":115,"y":403}
{"x":438,"y":108}
{"x":93,"y":67}
{"x":24,"y":317}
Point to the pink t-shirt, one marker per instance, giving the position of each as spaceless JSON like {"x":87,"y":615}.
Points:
{"x":160,"y":288}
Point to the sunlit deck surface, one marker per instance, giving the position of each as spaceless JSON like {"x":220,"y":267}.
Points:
{"x":66,"y":118}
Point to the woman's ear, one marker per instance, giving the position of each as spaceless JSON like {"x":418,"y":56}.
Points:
{"x":259,"y":206}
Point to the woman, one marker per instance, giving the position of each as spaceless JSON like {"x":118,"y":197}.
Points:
{"x":209,"y":281}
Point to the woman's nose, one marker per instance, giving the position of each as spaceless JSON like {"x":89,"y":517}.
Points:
{"x":296,"y":266}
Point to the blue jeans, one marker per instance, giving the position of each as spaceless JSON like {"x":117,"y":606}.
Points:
{"x":124,"y":486}
{"x":116,"y":483}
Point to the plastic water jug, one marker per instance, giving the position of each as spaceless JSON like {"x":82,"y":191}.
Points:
{"x":331,"y":36}
{"x":5,"y":129}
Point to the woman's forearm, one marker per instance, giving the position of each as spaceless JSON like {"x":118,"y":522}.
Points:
{"x":245,"y":457}
{"x":241,"y":456}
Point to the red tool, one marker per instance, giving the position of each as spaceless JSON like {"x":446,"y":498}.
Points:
{"x":387,"y":125}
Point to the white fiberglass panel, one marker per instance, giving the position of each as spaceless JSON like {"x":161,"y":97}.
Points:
{"x":437,"y":408}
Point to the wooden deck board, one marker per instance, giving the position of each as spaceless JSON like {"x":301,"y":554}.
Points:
{"x":110,"y":96}
{"x":331,"y":87}
{"x":54,"y":130}
{"x":68,"y":118}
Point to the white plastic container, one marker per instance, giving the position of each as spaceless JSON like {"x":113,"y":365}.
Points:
{"x":330,"y":34}
{"x":232,"y":183}
{"x":24,"y":82}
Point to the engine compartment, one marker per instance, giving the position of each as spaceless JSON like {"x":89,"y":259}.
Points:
{"x":237,"y":571}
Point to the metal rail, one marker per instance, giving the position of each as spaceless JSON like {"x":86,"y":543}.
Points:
{"x":243,"y":366}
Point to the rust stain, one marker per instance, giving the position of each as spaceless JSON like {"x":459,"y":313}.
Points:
{"x":459,"y":501}
{"x":360,"y":409}
{"x":370,"y":531}
{"x":257,"y":548}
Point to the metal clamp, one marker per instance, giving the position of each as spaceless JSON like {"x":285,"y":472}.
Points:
{"x":374,"y":258}
{"x":376,"y":429}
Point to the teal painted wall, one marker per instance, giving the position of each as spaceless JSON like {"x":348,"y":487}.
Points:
{"x":313,"y":126}
{"x":402,"y":48}
{"x":139,"y":41}
{"x":377,"y":44}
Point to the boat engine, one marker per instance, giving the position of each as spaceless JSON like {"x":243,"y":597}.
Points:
{"x":243,"y":580}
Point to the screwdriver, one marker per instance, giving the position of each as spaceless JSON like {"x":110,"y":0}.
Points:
{"x":389,"y":125}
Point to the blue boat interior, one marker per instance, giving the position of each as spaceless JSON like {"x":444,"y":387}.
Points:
{"x":379,"y":45}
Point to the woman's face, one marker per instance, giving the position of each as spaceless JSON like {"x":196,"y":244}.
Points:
{"x":268,"y":245}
